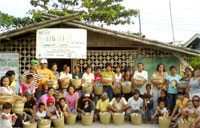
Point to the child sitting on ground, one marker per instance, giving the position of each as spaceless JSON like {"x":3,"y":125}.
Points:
{"x":52,"y":108}
{"x":63,"y":107}
{"x":161,"y":110}
{"x":164,"y":97}
{"x":149,"y":103}
{"x":41,"y":113}
{"x":6,"y":117}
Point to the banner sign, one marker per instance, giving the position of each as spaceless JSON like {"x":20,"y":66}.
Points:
{"x":9,"y":61}
{"x":61,"y":43}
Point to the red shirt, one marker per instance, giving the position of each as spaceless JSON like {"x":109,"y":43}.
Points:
{"x":97,"y":77}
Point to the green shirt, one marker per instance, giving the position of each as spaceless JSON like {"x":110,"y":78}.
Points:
{"x":79,"y":75}
{"x":106,"y":74}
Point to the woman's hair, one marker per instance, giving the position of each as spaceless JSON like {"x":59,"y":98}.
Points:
{"x":72,"y":87}
{"x":87,"y":68}
{"x":188,"y":68}
{"x":50,"y":88}
{"x":62,"y":98}
{"x":53,"y":65}
{"x":159,"y":66}
{"x":10,"y":73}
{"x":166,"y":95}
{"x":148,"y":85}
{"x":141,"y":64}
{"x":127,"y":70}
{"x":97,"y":68}
{"x":77,"y":66}
{"x":118,"y":66}
{"x":64,"y":66}
{"x":108,"y":64}
{"x":2,"y":78}
{"x":172,"y":67}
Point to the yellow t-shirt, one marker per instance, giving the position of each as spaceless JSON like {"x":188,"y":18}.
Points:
{"x":46,"y":74}
{"x":13,"y":86}
{"x":180,"y":103}
{"x":102,"y":105}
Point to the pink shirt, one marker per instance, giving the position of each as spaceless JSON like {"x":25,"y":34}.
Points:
{"x":25,"y":87}
{"x":43,"y":99}
{"x":71,"y":100}
{"x":6,"y":90}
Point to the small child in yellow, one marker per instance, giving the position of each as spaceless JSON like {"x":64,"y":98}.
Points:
{"x":191,"y":111}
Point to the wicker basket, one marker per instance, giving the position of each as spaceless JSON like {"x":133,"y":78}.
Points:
{"x":98,"y":90}
{"x":18,"y":107}
{"x":183,"y":84}
{"x":87,"y":119}
{"x":45,"y":123}
{"x":164,"y":123}
{"x":63,"y":85}
{"x":71,"y":119}
{"x":59,"y":123}
{"x":126,"y":87}
{"x":118,"y":118}
{"x":87,"y":87}
{"x":105,"y":117}
{"x":29,"y":125}
{"x":107,"y":78}
{"x":116,"y":90}
{"x":136,"y":118}
{"x":158,"y":79}
{"x":57,"y":96}
{"x":52,"y":83}
{"x":182,"y":125}
{"x":76,"y":83}
{"x":7,"y":99}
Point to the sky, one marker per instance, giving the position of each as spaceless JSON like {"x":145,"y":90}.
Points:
{"x":155,"y":17}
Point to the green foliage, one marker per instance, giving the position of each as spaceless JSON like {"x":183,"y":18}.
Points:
{"x":193,"y":61}
{"x":103,"y":11}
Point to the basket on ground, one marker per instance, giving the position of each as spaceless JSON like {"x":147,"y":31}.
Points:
{"x":29,"y":125}
{"x":118,"y":118}
{"x":105,"y":117}
{"x":71,"y":119}
{"x":59,"y":122}
{"x":164,"y":123}
{"x":88,"y":87}
{"x":18,"y":107}
{"x":44,"y":123}
{"x":136,"y":118}
{"x":87,"y":119}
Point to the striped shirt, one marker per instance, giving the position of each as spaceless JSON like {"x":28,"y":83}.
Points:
{"x":36,"y":76}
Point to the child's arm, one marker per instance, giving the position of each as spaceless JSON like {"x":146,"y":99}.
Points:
{"x":59,"y":110}
{"x":155,"y":114}
{"x":76,"y":105}
{"x":174,"y":111}
{"x":7,"y":117}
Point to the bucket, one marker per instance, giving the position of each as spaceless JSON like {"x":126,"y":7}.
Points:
{"x":57,"y":96}
{"x":44,"y":123}
{"x":70,"y":120}
{"x":126,"y":87}
{"x":52,"y":83}
{"x":76,"y":83}
{"x":136,"y":118}
{"x":118,"y":118}
{"x":107,"y":78}
{"x":164,"y":123}
{"x":87,"y":119}
{"x":105,"y":117}
{"x":29,"y":125}
{"x":59,"y":122}
{"x":63,"y":84}
{"x":18,"y":107}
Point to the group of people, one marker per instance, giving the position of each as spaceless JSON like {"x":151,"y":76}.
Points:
{"x":123,"y":91}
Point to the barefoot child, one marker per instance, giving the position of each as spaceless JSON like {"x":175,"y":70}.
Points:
{"x":161,"y":110}
{"x":41,"y":113}
{"x":63,"y":107}
{"x":52,"y":108}
{"x":149,"y":103}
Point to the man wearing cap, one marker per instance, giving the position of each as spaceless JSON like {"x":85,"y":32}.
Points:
{"x":103,"y":103}
{"x":46,"y":74}
{"x":86,"y":103}
{"x":33,"y":71}
{"x":29,"y":107}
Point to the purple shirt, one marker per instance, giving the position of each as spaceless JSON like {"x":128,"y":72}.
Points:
{"x":71,"y":100}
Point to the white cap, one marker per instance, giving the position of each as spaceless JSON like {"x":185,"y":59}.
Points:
{"x":43,"y":61}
